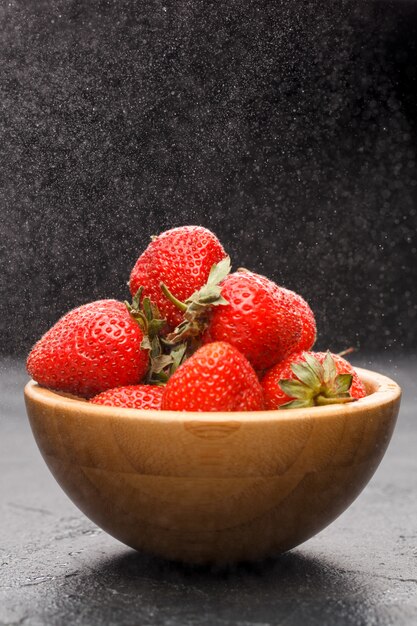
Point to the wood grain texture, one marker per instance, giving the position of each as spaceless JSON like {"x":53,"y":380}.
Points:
{"x":216,"y":487}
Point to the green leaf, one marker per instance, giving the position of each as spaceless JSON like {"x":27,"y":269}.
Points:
{"x":329,"y":368}
{"x":178,"y":356}
{"x":295,"y":389}
{"x":136,"y":298}
{"x":321,"y":400}
{"x":147,"y":309}
{"x":220,"y":301}
{"x":305,"y":374}
{"x":140,"y":320}
{"x":219,"y":271}
{"x":155,"y":311}
{"x":159,"y":378}
{"x":154,"y":326}
{"x":156,"y":347}
{"x":208,"y":294}
{"x":315,"y":365}
{"x":159,"y":363}
{"x":145,"y":343}
{"x":342,"y":383}
{"x":296,"y":404}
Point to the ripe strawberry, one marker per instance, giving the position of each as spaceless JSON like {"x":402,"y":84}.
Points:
{"x":262,"y":320}
{"x":92,"y":348}
{"x":310,"y":379}
{"x":215,"y":378}
{"x":131,"y":397}
{"x":309,"y":330}
{"x":181,"y":258}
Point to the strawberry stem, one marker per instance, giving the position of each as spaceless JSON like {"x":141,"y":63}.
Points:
{"x":347,"y":351}
{"x":180,"y":305}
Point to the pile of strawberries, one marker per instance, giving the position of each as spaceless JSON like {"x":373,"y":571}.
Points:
{"x":194,"y":338}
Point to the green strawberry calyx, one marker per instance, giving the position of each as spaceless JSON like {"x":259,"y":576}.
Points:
{"x":163,"y":359}
{"x":196,"y":309}
{"x":316,"y":384}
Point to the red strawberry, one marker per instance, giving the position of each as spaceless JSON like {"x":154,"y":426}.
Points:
{"x":215,"y":378}
{"x":92,"y":348}
{"x":131,"y":397}
{"x":309,"y":330}
{"x":309,"y":379}
{"x":181,"y":258}
{"x":262,"y":320}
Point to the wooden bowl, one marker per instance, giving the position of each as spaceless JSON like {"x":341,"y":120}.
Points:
{"x":213,"y":487}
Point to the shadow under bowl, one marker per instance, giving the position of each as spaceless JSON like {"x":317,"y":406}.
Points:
{"x":213,"y":487}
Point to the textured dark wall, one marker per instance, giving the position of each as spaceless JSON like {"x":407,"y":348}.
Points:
{"x":289,"y":128}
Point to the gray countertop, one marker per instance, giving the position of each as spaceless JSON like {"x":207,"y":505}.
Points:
{"x":56,"y":567}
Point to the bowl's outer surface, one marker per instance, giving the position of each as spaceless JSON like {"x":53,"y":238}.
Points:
{"x":213,"y":487}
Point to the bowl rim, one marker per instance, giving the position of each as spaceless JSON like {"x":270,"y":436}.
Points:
{"x":387,"y":391}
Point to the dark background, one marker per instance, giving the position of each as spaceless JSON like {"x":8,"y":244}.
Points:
{"x":289,"y":128}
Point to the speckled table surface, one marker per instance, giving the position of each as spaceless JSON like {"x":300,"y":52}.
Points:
{"x":56,"y":567}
